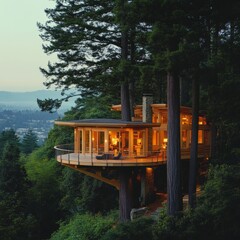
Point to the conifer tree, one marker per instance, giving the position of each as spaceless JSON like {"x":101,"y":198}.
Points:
{"x":87,"y":42}
{"x":15,"y":222}
{"x":29,"y":142}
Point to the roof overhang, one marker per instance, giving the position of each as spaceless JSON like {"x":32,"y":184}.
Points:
{"x":107,"y":123}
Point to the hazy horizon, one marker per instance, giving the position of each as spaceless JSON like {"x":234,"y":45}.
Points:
{"x":21,"y":47}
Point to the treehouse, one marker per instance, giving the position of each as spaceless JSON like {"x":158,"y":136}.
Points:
{"x":104,"y":146}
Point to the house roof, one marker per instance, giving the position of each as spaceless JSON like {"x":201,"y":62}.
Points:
{"x":105,"y":122}
{"x":159,"y":106}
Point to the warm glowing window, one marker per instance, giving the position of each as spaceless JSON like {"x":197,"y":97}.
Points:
{"x":164,"y":118}
{"x":200,"y":136}
{"x":186,"y":120}
{"x":202,"y":121}
{"x":184,"y":138}
{"x":113,"y":139}
{"x":87,"y":141}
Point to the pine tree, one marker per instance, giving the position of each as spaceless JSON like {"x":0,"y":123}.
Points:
{"x":15,"y":222}
{"x":29,"y":142}
{"x":87,"y":42}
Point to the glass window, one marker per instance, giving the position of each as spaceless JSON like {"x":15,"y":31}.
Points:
{"x":87,"y":141}
{"x":200,"y":136}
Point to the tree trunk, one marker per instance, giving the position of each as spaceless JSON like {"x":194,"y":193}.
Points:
{"x":125,"y":197}
{"x":173,"y":148}
{"x":194,"y":144}
{"x":125,"y":194}
{"x":125,"y":102}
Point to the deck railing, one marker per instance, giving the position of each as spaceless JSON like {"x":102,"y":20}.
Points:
{"x":67,"y":154}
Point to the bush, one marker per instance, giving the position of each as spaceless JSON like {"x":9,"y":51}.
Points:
{"x":139,"y":229}
{"x":216,"y":215}
{"x":84,"y":227}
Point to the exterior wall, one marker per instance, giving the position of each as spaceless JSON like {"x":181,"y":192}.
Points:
{"x":128,"y":141}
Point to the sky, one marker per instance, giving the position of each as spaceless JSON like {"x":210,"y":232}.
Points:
{"x":21,"y":52}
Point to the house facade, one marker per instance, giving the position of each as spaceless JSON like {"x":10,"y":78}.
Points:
{"x":104,"y":146}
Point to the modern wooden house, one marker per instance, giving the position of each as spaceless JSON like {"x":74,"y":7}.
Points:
{"x":104,"y":146}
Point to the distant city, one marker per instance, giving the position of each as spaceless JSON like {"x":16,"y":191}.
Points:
{"x":19,"y":111}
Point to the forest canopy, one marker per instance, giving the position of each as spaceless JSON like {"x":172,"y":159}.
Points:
{"x":106,"y":50}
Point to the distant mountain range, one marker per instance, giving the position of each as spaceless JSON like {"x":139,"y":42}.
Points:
{"x":28,"y":100}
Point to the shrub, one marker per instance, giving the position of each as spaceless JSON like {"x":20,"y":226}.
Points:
{"x":84,"y":227}
{"x":139,"y":229}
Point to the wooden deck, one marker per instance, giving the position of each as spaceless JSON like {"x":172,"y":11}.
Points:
{"x":90,"y":160}
{"x":68,"y":157}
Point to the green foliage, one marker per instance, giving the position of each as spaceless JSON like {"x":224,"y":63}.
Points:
{"x":70,"y":185}
{"x":97,"y":196}
{"x":84,"y":227}
{"x":8,"y":136}
{"x":86,"y":39}
{"x":57,"y":135}
{"x":12,"y":175}
{"x":15,"y":220}
{"x":220,"y":203}
{"x":139,"y":229}
{"x":29,"y":142}
{"x":44,"y":194}
{"x":225,"y":100}
{"x":15,"y":223}
{"x":93,"y":107}
{"x":83,"y":194}
{"x":216,"y":215}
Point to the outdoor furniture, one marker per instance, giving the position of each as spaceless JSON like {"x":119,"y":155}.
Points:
{"x":117,"y":157}
{"x":104,"y":156}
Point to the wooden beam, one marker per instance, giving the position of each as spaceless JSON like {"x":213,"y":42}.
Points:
{"x":113,"y":182}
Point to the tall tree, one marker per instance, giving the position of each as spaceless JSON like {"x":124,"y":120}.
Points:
{"x":29,"y":142}
{"x":98,"y":44}
{"x":168,"y":47}
{"x":87,"y":42}
{"x":194,"y":144}
{"x":173,"y":151}
{"x":15,"y":222}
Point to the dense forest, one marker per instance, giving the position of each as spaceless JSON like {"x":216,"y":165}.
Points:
{"x":183,"y":52}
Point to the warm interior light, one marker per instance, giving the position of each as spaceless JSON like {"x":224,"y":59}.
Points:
{"x":115,"y":141}
{"x":164,"y":145}
{"x":149,"y":170}
{"x":139,"y":141}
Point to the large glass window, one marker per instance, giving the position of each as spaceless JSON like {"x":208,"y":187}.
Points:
{"x":184,"y":138}
{"x":114,"y":141}
{"x":80,"y":141}
{"x":200,"y":136}
{"x":98,"y":142}
{"x":124,"y":143}
{"x":87,"y":141}
{"x":139,"y":142}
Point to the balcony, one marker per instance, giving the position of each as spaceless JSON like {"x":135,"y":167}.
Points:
{"x":66,"y":155}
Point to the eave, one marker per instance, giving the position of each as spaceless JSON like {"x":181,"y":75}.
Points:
{"x":106,"y":123}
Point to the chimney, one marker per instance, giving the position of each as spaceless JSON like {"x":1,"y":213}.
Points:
{"x":146,"y":107}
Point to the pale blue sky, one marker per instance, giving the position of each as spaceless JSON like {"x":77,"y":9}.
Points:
{"x":21,"y":52}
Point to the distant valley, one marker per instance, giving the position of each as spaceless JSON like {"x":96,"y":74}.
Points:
{"x":28,"y":100}
{"x":19,"y":111}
